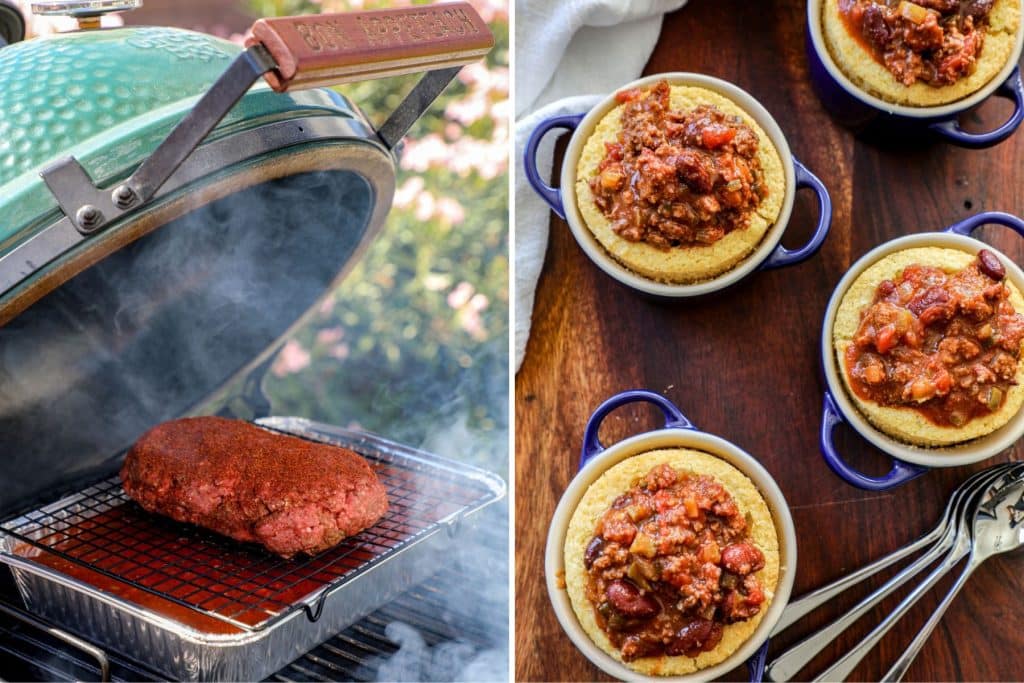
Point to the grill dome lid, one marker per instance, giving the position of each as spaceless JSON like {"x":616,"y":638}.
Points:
{"x":174,"y":305}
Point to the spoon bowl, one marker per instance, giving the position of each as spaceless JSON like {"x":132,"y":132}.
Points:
{"x":998,"y":528}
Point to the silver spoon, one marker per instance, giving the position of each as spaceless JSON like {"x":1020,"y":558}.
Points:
{"x":819,"y":596}
{"x":789,"y":663}
{"x":961,"y":546}
{"x":997,"y":529}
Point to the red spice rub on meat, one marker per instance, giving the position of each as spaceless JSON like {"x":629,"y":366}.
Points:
{"x":230,"y":476}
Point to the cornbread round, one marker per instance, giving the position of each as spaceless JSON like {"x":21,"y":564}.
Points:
{"x":856,"y":60}
{"x":905,"y":423}
{"x":683,"y":264}
{"x":620,"y":478}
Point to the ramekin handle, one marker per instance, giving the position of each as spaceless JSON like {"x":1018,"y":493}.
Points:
{"x":787,"y":257}
{"x":756,"y":663}
{"x":592,"y":443}
{"x":1012,"y":89}
{"x":551,"y":195}
{"x":900,"y":473}
{"x":972,"y":223}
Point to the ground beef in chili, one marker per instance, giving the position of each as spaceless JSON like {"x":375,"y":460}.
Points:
{"x":944,"y":344}
{"x":934,"y":41}
{"x":671,"y":564}
{"x":676,"y":178}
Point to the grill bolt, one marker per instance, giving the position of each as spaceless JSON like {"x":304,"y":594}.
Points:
{"x":123,"y":197}
{"x":88,"y":217}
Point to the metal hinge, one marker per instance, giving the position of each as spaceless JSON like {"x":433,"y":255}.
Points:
{"x":91,"y":209}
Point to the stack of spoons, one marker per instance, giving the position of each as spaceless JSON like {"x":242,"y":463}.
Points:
{"x":984,"y":517}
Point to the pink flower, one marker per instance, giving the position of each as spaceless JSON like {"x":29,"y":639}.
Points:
{"x":479,"y":302}
{"x":500,"y":111}
{"x":467,"y":111}
{"x":407,"y":193}
{"x":473,"y":324}
{"x":450,"y":211}
{"x":425,"y":204}
{"x":459,"y":296}
{"x":327,"y":305}
{"x":330,"y":335}
{"x":452,"y":131}
{"x":473,"y":73}
{"x":291,"y":359}
{"x":420,"y":154}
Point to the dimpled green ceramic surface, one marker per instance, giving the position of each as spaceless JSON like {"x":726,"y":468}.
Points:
{"x":109,"y":97}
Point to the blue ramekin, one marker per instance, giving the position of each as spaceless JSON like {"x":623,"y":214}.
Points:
{"x":908,"y":461}
{"x":768,"y":254}
{"x":857,"y":108}
{"x":678,"y":432}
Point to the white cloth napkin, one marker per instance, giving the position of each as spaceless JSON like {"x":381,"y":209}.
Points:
{"x":564,"y":49}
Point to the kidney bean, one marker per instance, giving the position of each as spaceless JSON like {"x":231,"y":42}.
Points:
{"x":628,"y":600}
{"x":976,"y":8}
{"x":695,"y":637}
{"x":742,"y":558}
{"x":593,"y":550}
{"x":990,"y":264}
{"x":933,"y":297}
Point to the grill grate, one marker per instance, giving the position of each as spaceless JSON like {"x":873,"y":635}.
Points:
{"x":354,"y":654}
{"x":166,"y":566}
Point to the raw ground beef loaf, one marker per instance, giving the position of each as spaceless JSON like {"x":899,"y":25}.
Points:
{"x":291,"y":495}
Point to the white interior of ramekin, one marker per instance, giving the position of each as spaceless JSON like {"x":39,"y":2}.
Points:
{"x":948,"y":456}
{"x":604,"y":260}
{"x":944,"y":110}
{"x":554,"y":556}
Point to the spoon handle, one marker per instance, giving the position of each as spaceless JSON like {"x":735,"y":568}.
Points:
{"x":789,"y":663}
{"x":848,"y":662}
{"x":811,"y":601}
{"x":898,"y":669}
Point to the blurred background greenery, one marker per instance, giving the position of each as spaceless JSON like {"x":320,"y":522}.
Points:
{"x":420,"y":328}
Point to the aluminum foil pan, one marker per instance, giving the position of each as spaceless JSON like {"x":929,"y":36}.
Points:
{"x":186,"y":653}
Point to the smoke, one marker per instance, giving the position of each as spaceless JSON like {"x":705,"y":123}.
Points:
{"x":157,"y":326}
{"x":154,"y":328}
{"x":475,"y":605}
{"x":454,"y":625}
{"x":449,"y":661}
{"x":470,"y":600}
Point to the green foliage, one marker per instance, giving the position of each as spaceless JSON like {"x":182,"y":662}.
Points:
{"x":414,"y":344}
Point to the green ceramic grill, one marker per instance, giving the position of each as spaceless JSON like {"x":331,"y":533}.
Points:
{"x":172,"y":204}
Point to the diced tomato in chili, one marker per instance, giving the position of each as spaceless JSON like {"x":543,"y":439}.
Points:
{"x":689,"y":568}
{"x":944,"y":344}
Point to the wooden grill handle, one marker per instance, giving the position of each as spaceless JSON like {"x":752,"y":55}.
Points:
{"x":328,"y":49}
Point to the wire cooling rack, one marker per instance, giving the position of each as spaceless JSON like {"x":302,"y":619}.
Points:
{"x":99,"y":533}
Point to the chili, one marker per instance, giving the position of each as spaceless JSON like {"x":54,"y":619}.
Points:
{"x":671,"y":564}
{"x":946,"y":345}
{"x":933,"y":41}
{"x":677,"y":178}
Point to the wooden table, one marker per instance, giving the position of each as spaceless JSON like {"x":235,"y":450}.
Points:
{"x":745,"y":366}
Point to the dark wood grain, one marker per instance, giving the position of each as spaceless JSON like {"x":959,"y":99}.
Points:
{"x":745,"y":365}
